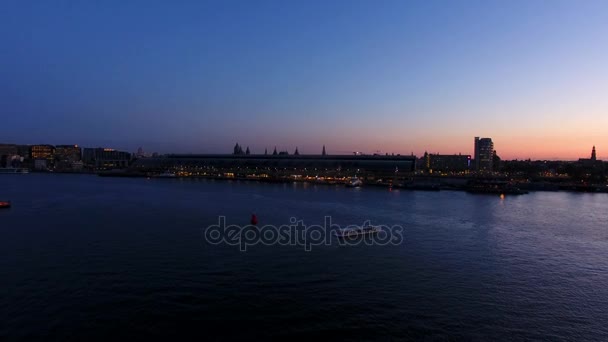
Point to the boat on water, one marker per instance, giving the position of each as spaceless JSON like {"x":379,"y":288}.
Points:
{"x":354,"y":183}
{"x":12,"y":171}
{"x":5,"y":204}
{"x":167,"y":174}
{"x":357,"y":231}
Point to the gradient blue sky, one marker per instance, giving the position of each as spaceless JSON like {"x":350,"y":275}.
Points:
{"x":393,"y":76}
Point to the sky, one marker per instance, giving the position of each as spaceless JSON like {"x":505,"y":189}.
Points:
{"x":379,"y":75}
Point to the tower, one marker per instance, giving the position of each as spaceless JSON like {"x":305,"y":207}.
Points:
{"x":593,"y":156}
{"x":323,"y":153}
{"x":238,"y":149}
{"x":484,"y":153}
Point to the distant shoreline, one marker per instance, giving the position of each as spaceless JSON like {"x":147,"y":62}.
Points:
{"x":425,"y":185}
{"x":418,"y":183}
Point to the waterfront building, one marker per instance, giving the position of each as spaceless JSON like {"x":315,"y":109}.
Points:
{"x":423,"y":163}
{"x":484,"y":154}
{"x":589,"y":170}
{"x":24,"y":151}
{"x":496,"y":161}
{"x":42,"y":155}
{"x":15,"y":156}
{"x":8,"y":152}
{"x":448,"y":162}
{"x":281,"y":165}
{"x":42,"y":152}
{"x":68,"y":153}
{"x":8,"y":149}
{"x":66,"y":156}
{"x":591,"y":161}
{"x":105,"y":158}
{"x":41,"y":164}
{"x":4,"y":161}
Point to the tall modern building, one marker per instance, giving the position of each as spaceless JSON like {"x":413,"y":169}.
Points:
{"x":484,"y":153}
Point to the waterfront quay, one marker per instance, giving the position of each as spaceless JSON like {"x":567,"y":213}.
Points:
{"x":395,"y":172}
{"x":277,"y":167}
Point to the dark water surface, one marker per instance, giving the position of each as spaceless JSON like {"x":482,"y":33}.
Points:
{"x":90,"y":258}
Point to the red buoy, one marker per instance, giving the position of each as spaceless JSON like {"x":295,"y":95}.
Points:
{"x":254,"y":219}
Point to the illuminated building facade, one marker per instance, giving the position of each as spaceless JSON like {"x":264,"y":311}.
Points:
{"x":67,"y":157}
{"x":42,"y":152}
{"x":484,"y":154}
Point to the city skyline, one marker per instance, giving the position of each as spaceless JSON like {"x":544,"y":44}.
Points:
{"x":394,"y":77}
{"x":297,"y":151}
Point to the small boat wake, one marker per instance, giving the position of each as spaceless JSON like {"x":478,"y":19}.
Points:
{"x":353,"y":232}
